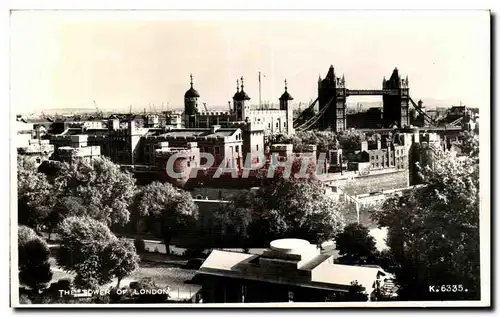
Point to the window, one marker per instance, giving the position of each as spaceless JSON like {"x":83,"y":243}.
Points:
{"x":377,"y":157}
{"x":284,"y":124}
{"x":269,"y":125}
{"x":277,"y":124}
{"x":38,"y":160}
{"x":257,"y":147}
{"x":236,"y":148}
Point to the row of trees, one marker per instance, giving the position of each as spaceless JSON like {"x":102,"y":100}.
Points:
{"x":99,"y":190}
{"x":300,"y":208}
{"x":82,"y":202}
{"x":349,"y":140}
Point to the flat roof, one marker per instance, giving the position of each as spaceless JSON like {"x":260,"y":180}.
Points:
{"x":323,"y":273}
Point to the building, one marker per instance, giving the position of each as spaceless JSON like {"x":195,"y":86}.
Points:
{"x":291,"y":270}
{"x":272,"y":120}
{"x":223,"y":143}
{"x":37,"y":150}
{"x":78,"y":149}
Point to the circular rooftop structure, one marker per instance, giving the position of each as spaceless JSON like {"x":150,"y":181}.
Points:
{"x":289,"y":245}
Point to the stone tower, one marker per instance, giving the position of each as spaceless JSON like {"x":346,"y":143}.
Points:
{"x":240,"y":100}
{"x":396,"y":101}
{"x":285,"y":105}
{"x":332,"y":94}
{"x":191,"y":106}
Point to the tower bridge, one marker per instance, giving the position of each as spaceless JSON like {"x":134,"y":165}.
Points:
{"x":332,"y":103}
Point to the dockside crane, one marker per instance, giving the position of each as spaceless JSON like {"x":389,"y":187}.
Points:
{"x":98,"y":112}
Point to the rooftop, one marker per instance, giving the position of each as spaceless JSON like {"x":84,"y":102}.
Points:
{"x":209,"y":133}
{"x":293,"y":262}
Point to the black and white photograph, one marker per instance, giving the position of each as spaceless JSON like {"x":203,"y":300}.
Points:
{"x":250,"y":158}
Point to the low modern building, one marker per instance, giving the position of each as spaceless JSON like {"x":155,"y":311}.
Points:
{"x":78,"y":149}
{"x":291,"y":270}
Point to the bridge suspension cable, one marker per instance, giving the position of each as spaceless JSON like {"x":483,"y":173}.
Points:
{"x":432,"y":120}
{"x":305,"y":110}
{"x":309,"y":123}
{"x":454,"y":123}
{"x":419,"y":110}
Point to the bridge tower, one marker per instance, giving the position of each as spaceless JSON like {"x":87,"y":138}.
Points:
{"x":332,"y":94}
{"x":396,"y":105}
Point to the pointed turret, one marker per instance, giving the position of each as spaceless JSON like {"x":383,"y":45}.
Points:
{"x":191,"y":93}
{"x":237,"y":94}
{"x":243,"y":95}
{"x":286,"y":96}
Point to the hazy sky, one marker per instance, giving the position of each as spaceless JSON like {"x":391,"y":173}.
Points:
{"x":69,"y":59}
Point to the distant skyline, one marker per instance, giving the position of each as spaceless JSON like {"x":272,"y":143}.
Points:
{"x":69,"y":59}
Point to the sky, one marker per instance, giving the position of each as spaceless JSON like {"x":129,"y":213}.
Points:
{"x":69,"y":59}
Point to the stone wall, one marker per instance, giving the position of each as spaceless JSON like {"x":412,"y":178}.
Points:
{"x":374,"y":182}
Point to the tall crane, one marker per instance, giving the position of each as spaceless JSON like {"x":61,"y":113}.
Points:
{"x":98,"y":113}
{"x":205,"y":106}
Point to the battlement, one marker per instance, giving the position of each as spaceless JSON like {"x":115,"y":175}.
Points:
{"x":215,"y":113}
{"x":247,"y":126}
{"x":168,"y":152}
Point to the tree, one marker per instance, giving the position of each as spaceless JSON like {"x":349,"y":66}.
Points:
{"x":300,"y":208}
{"x":470,"y":144}
{"x":93,"y":253}
{"x":34,"y":266}
{"x":232,"y":221}
{"x":100,"y":186}
{"x":323,"y":140}
{"x":351,"y":140}
{"x":172,"y":208}
{"x":35,"y":195}
{"x":121,"y":259}
{"x":296,"y":208}
{"x":355,"y":293}
{"x":433,"y":231}
{"x":355,"y":244}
